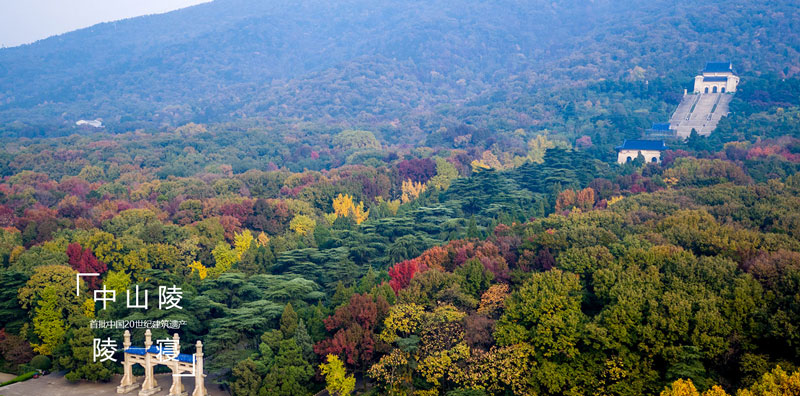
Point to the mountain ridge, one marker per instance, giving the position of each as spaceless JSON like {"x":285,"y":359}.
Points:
{"x":226,"y":59}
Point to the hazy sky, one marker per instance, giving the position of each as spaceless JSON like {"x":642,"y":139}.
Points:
{"x":25,"y":21}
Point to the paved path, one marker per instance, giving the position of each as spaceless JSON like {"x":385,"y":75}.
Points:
{"x":56,"y":385}
{"x":708,"y":110}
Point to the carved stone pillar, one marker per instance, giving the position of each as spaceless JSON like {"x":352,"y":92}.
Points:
{"x":127,"y":384}
{"x":199,"y":377}
{"x":149,"y":386}
{"x":177,"y":386}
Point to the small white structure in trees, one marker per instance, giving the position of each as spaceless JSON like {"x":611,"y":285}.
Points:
{"x":717,"y":77}
{"x":649,"y":149}
{"x":97,"y":123}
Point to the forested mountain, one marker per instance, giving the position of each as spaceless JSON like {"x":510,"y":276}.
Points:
{"x":409,"y":197}
{"x":373,"y":63}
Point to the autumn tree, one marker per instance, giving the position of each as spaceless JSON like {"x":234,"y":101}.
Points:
{"x":493,"y":299}
{"x":344,"y":206}
{"x":393,"y":372}
{"x":501,"y":370}
{"x":411,"y":190}
{"x":14,"y":349}
{"x":776,"y":382}
{"x":566,"y":199}
{"x":544,"y":260}
{"x":302,"y":225}
{"x":352,"y":327}
{"x":401,"y":274}
{"x":270,"y":216}
{"x":585,"y":198}
{"x":336,"y":379}
{"x":402,"y":321}
{"x":84,"y":261}
{"x":418,"y":170}
{"x":48,"y":322}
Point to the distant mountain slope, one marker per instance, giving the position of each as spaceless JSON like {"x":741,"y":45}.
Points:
{"x":365,"y":62}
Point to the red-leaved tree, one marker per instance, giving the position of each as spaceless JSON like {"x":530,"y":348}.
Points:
{"x":83,"y":260}
{"x":15,"y":349}
{"x":353,"y":328}
{"x":402,"y":273}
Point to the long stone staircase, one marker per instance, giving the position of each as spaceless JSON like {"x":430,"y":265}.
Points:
{"x":700,"y":112}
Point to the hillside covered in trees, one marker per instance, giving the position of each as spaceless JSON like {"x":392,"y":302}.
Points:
{"x":407,"y":66}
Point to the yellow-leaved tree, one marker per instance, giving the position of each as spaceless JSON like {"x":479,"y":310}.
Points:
{"x":48,"y":322}
{"x":411,"y":190}
{"x":201,"y":269}
{"x":478,"y":166}
{"x":302,"y":224}
{"x":685,"y":387}
{"x":50,"y":296}
{"x":775,"y":383}
{"x":262,"y":239}
{"x":393,"y":371}
{"x":118,"y":281}
{"x":437,"y":365}
{"x":359,"y":214}
{"x":330,"y":217}
{"x":224,"y":258}
{"x":403,"y":320}
{"x":344,"y":206}
{"x":489,"y":159}
{"x":337,"y":382}
{"x":242,"y":242}
{"x":88,"y":308}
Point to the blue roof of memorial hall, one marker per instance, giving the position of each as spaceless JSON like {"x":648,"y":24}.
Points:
{"x":718,"y":67}
{"x":715,"y":78}
{"x":638,"y":144}
{"x":660,"y":126}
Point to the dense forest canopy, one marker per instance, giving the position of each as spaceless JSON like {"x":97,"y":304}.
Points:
{"x":347,"y":263}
